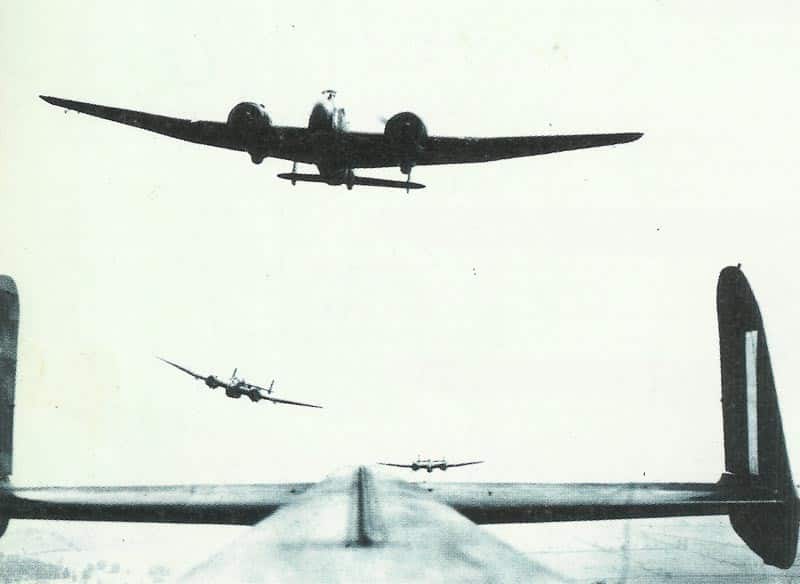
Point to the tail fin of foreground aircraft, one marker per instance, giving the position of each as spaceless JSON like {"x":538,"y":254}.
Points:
{"x":756,"y":491}
{"x":9,"y":326}
{"x":755,"y":450}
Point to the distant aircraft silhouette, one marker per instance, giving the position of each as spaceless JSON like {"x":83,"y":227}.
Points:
{"x":430,"y":464}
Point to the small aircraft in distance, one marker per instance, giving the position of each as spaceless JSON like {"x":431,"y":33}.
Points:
{"x":327,"y":142}
{"x":429,"y":464}
{"x":236,"y":387}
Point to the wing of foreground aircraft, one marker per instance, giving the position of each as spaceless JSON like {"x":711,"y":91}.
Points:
{"x":337,"y":152}
{"x":428,"y":532}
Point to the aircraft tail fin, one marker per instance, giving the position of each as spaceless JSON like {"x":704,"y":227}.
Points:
{"x":9,"y":326}
{"x":755,"y":450}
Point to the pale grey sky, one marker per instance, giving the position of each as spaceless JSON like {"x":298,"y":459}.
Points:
{"x":553,"y":316}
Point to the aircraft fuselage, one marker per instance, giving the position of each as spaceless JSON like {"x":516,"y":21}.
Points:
{"x":328,"y":125}
{"x":429,"y":465}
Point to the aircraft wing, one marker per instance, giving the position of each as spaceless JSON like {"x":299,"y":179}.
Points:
{"x":461,"y":150}
{"x":395,"y":464}
{"x":184,"y":369}
{"x":288,"y":401}
{"x":369,"y":150}
{"x":201,"y":132}
{"x":213,"y":504}
{"x":450,"y":465}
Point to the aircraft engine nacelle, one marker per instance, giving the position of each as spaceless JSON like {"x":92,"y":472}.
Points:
{"x":407,"y":132}
{"x":251,"y":122}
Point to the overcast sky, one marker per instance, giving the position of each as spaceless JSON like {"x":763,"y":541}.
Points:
{"x":554,"y":316}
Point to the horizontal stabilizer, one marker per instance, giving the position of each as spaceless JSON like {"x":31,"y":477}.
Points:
{"x":210,"y":504}
{"x":296,"y":176}
{"x":383,"y":182}
{"x":488,"y":503}
{"x":364,"y":181}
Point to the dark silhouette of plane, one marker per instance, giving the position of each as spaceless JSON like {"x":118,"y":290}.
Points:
{"x":236,"y":387}
{"x":362,"y":526}
{"x":336,"y":151}
{"x":430,"y":464}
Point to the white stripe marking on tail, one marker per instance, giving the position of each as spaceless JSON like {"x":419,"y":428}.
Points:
{"x":750,"y":358}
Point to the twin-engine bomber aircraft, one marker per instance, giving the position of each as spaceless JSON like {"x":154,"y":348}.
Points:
{"x":336,"y":151}
{"x":362,"y":526}
{"x":430,"y":465}
{"x":236,"y":387}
